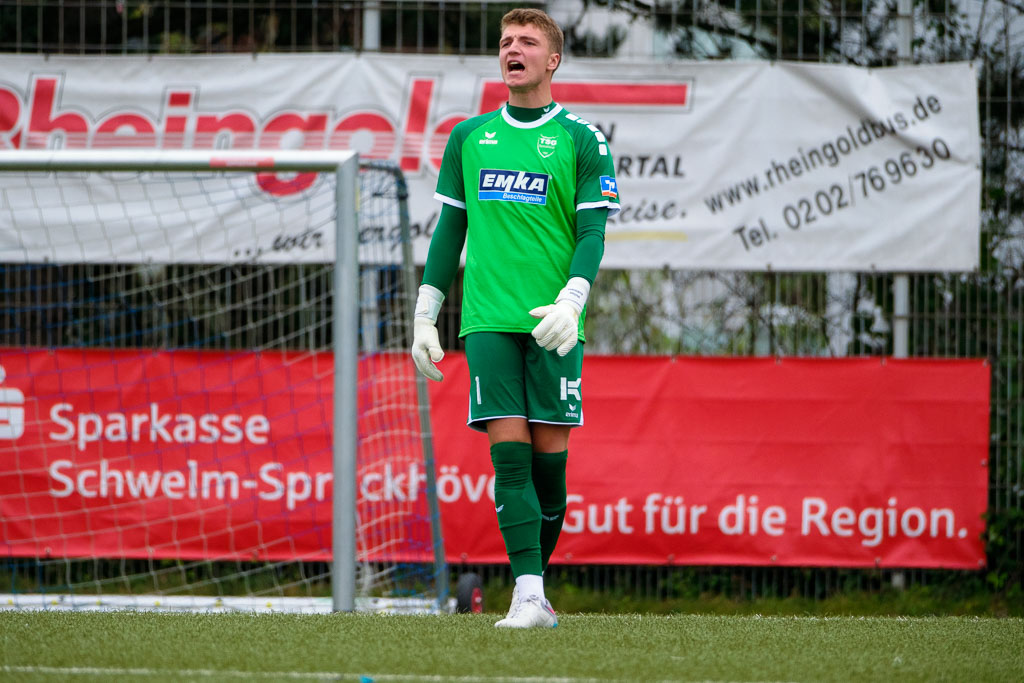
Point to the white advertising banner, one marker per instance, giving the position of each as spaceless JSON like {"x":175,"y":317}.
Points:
{"x":739,"y":165}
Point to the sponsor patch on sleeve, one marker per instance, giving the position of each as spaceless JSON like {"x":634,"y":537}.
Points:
{"x":609,"y":188}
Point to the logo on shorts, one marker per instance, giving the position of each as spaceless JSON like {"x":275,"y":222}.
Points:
{"x":513,"y":186}
{"x":571,"y":388}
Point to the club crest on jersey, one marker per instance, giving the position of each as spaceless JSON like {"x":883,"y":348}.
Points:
{"x":546,"y":145}
{"x":513,"y":186}
{"x":609,"y":188}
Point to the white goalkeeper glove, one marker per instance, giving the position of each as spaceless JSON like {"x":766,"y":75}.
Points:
{"x":559,"y":326}
{"x":426,"y":349}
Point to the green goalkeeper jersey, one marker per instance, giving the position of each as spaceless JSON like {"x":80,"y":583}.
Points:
{"x":521,"y":185}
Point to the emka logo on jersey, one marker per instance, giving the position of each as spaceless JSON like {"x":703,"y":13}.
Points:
{"x":609,"y":188}
{"x":513,"y":186}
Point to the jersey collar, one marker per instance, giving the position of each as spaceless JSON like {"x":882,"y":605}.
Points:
{"x":530,"y":124}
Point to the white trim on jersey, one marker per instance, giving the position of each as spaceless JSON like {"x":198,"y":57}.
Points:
{"x":529,"y":124}
{"x":449,"y":201}
{"x":613,"y":207}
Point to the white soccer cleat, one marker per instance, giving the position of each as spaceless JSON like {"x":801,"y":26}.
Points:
{"x":515,"y":601}
{"x":511,"y":608}
{"x":529,"y":612}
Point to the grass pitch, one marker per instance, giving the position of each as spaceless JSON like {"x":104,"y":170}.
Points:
{"x":47,"y":646}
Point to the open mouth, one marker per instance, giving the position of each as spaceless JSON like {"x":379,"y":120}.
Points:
{"x":516,"y":66}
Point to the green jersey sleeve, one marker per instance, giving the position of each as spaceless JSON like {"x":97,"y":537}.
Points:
{"x":451,"y":187}
{"x":445,"y":248}
{"x":586,"y":259}
{"x":595,"y":171}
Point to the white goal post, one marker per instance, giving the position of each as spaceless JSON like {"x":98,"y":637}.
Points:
{"x":211,"y":470}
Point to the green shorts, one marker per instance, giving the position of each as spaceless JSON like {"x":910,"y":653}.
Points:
{"x":511,"y":376}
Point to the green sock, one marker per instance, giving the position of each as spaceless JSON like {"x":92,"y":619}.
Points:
{"x":549,"y":481}
{"x":515,"y":501}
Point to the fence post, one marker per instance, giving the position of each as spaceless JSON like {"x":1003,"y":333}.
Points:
{"x":371,"y":27}
{"x":901,"y":282}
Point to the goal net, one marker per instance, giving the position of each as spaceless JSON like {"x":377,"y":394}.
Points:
{"x":205,"y":397}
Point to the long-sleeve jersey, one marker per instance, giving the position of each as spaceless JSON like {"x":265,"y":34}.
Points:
{"x":535,"y":193}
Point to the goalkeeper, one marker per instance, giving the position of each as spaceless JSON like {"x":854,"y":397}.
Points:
{"x":527,"y":190}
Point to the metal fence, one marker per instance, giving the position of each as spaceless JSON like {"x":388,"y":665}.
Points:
{"x":855,"y":31}
{"x":955,"y":315}
{"x":214,"y":26}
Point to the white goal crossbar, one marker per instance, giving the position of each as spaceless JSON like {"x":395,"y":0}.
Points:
{"x":345,"y":166}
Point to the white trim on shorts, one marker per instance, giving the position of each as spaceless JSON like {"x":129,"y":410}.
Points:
{"x":469,"y":416}
{"x":493,"y":417}
{"x":470,"y":423}
{"x":563,"y":424}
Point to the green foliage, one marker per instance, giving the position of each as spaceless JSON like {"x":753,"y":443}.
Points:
{"x":850,"y":31}
{"x":917,"y":601}
{"x":1004,"y":531}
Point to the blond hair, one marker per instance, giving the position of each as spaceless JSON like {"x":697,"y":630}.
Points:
{"x":540,"y":19}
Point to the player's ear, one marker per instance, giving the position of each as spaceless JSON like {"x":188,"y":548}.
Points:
{"x":554,"y":59}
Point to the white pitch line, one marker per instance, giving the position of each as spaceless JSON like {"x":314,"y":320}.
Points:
{"x":194,"y":673}
{"x":299,"y":675}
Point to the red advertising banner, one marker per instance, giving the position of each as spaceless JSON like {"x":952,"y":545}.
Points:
{"x":166,"y":454}
{"x":837,"y":462}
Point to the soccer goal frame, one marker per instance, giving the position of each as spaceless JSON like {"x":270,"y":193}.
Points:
{"x":345,"y":167}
